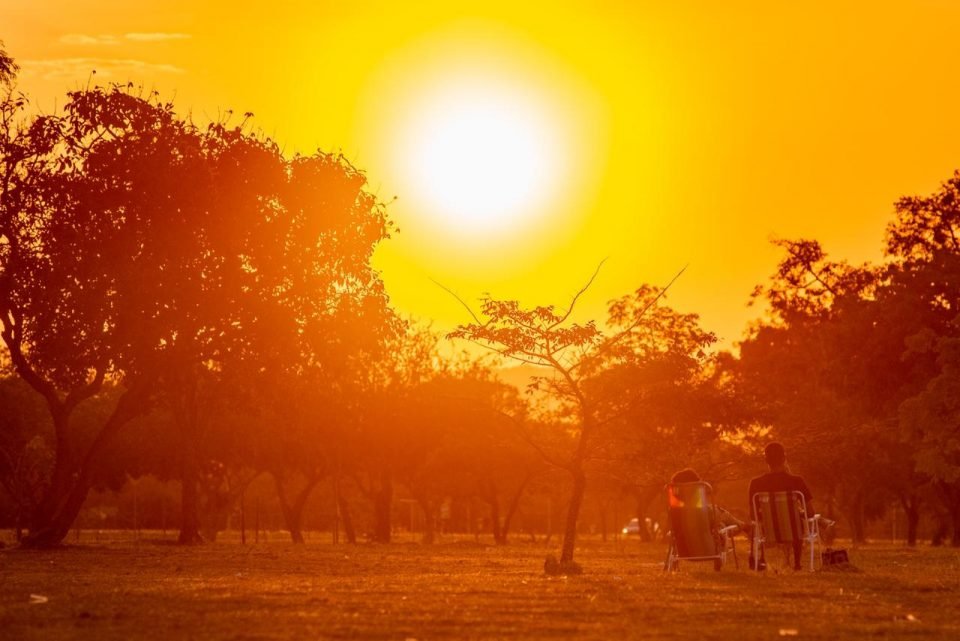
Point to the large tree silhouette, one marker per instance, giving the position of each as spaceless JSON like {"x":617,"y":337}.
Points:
{"x":841,"y":350}
{"x":810,"y":373}
{"x":923,"y":274}
{"x":70,"y":318}
{"x":138,"y":247}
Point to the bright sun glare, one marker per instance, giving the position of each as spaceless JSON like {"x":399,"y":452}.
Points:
{"x":481,"y":160}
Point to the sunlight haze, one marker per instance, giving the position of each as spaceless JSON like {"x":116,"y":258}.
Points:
{"x":652,"y":134}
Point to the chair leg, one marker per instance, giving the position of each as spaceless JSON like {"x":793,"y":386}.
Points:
{"x":814,"y":542}
{"x":670,"y":563}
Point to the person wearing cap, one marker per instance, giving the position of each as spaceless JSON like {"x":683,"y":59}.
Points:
{"x":779,"y":479}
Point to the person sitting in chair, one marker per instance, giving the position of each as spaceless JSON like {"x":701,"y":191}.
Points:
{"x":723,"y":517}
{"x":779,"y":479}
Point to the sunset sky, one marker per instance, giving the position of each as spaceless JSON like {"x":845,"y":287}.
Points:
{"x":526,"y":142}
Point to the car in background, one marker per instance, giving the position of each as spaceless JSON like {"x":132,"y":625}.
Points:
{"x":632,"y":528}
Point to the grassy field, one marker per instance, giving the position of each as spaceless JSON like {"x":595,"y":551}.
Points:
{"x":461,"y":590}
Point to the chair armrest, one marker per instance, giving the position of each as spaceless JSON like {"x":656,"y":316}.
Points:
{"x":728,"y":530}
{"x":817,"y":520}
{"x":822,"y":519}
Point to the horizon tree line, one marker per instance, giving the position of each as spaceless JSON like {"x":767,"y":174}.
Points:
{"x":187,"y":301}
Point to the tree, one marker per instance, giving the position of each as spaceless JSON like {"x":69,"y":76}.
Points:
{"x":809,"y":372}
{"x":71,"y":314}
{"x":136,"y":247}
{"x":459,"y":443}
{"x":829,"y":368}
{"x":499,"y":464}
{"x":379,"y":440}
{"x":546,"y":337}
{"x":676,"y":404}
{"x":297,"y":418}
{"x":923,"y":247}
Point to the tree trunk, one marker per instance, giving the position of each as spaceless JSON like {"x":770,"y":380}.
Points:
{"x":491,"y":497}
{"x":940,"y":533}
{"x":857,"y":520}
{"x":189,"y":487}
{"x":213,"y":521}
{"x":50,"y":529}
{"x":499,"y":536}
{"x":189,"y":503}
{"x":293,"y":521}
{"x":64,"y":497}
{"x":950,"y":497}
{"x":430,"y":521}
{"x":347,"y":518}
{"x":293,"y":512}
{"x":573,"y":514}
{"x":913,"y":525}
{"x":45,"y":525}
{"x":382,"y":506}
{"x":512,"y":509}
{"x":911,"y":507}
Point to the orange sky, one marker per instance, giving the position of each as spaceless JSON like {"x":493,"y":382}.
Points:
{"x":677,"y":135}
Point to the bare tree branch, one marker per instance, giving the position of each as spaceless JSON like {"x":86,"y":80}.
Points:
{"x":808,"y":266}
{"x":519,"y":356}
{"x":460,"y":300}
{"x":616,"y":338}
{"x":527,"y":438}
{"x":577,"y":296}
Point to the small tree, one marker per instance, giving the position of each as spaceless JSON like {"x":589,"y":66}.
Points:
{"x":573,"y":352}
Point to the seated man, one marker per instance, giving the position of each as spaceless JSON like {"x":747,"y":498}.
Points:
{"x":779,"y":479}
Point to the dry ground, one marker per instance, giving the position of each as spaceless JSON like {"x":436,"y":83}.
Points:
{"x":154,"y":590}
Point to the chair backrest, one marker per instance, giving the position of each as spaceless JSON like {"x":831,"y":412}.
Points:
{"x":780,"y":515}
{"x":690,"y":510}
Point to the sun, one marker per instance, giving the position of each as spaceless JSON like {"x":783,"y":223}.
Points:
{"x":481,"y":158}
{"x":486,"y":140}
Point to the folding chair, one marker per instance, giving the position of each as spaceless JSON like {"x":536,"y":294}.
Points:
{"x":780,"y":518}
{"x":694,"y":533}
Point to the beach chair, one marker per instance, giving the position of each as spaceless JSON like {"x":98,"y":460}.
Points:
{"x":781,"y":519}
{"x":695,"y":534}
